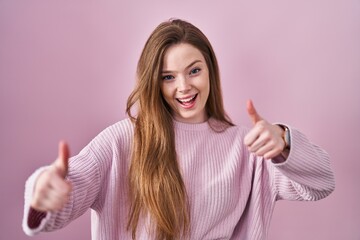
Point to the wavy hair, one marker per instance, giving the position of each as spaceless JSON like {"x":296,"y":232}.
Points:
{"x":156,"y":187}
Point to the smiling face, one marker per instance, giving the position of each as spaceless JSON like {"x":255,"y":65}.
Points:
{"x":185,"y":83}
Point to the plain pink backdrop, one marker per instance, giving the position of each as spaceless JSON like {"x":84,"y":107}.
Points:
{"x":67,"y":68}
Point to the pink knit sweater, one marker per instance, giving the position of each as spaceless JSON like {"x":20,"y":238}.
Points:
{"x":232,"y":193}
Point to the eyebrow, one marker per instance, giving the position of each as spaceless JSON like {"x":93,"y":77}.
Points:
{"x":168,"y":71}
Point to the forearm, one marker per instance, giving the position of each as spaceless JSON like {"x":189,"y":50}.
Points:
{"x":306,"y":173}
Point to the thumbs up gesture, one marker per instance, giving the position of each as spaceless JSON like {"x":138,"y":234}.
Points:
{"x":264,"y":139}
{"x":51,"y":190}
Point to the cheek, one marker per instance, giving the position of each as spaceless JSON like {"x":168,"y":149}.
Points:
{"x":205,"y":86}
{"x":166,"y":93}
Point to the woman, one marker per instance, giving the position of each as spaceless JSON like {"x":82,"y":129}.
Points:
{"x":178,"y":168}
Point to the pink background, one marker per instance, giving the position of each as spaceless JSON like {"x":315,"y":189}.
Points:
{"x":67,"y":68}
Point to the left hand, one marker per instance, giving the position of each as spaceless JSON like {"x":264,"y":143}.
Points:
{"x":264,"y":139}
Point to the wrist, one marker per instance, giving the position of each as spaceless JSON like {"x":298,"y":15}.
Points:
{"x":286,"y":137}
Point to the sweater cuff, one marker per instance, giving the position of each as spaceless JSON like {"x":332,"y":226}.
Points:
{"x":307,"y":164}
{"x":33,"y":220}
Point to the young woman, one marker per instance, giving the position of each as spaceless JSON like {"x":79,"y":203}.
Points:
{"x":178,"y":168}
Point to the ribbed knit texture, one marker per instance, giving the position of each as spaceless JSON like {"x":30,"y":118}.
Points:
{"x":232,"y":193}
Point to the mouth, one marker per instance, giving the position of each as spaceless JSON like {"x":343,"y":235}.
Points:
{"x":187,"y":102}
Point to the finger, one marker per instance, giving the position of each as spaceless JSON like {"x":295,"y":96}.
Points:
{"x":261,"y":141}
{"x":273,"y":153}
{"x":264,"y":150}
{"x":251,"y":137}
{"x":50,"y":199}
{"x":52,"y":202}
{"x":62,"y":162}
{"x":254,"y":134}
{"x":254,"y":116}
{"x":40,"y":194}
{"x":60,"y":186}
{"x":39,"y":206}
{"x":56,"y":200}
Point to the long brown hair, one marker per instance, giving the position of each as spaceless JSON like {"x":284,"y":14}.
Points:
{"x":155,"y":182}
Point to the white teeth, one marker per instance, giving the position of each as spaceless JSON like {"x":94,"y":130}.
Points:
{"x":187,"y":100}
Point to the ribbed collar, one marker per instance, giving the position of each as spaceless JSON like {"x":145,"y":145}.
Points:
{"x":192,"y":126}
{"x":210,"y":124}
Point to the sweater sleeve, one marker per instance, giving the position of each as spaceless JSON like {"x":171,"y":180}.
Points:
{"x":306,"y":174}
{"x":84,"y":176}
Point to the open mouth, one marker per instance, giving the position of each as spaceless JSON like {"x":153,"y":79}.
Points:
{"x":187,"y":101}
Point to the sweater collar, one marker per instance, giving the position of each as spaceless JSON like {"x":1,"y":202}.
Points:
{"x":210,"y":124}
{"x":191,"y":126}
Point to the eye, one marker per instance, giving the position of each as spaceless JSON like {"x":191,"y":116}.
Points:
{"x":195,"y":71}
{"x":167,"y":77}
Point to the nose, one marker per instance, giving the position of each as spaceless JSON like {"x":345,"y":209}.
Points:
{"x":183,"y":84}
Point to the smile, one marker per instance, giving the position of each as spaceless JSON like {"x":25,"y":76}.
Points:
{"x":187,"y":102}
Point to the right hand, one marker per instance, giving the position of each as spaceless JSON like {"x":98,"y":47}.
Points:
{"x":51,"y":190}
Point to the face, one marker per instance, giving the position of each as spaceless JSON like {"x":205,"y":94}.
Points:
{"x":185,"y":83}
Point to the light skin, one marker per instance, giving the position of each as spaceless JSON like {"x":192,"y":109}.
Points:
{"x":185,"y":83}
{"x":51,"y":190}
{"x":185,"y":87}
{"x":264,"y":139}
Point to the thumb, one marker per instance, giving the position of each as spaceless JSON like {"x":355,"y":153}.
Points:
{"x":254,"y":116}
{"x":62,"y":161}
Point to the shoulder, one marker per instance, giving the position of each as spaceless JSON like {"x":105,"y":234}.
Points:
{"x":226,"y":129}
{"x":229,"y":133}
{"x":118,"y":133}
{"x":117,"y":129}
{"x":122,"y":126}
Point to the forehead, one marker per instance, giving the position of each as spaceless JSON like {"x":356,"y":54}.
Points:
{"x":179,"y":56}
